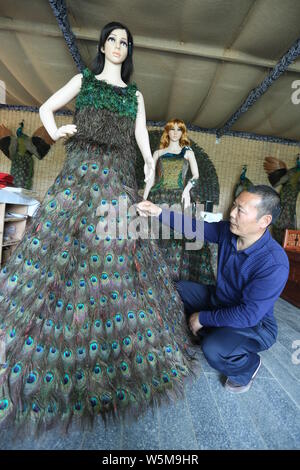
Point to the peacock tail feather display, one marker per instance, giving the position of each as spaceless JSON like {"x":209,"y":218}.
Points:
{"x":289,"y":180}
{"x":92,"y":323}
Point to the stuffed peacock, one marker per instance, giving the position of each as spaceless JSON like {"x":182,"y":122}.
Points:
{"x":278,"y":174}
{"x":20,"y":150}
{"x":243,"y":184}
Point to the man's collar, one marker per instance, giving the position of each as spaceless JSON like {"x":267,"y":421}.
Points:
{"x":255,"y":246}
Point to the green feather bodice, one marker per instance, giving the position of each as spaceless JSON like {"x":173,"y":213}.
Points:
{"x":102,"y":95}
{"x":105,"y":115}
{"x":173,"y":169}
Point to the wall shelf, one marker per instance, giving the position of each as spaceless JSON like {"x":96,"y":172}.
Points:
{"x":11,"y":228}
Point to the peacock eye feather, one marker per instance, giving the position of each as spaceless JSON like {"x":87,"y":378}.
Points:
{"x":131,"y":315}
{"x":4,"y":405}
{"x":139,"y":359}
{"x":98,"y":324}
{"x":166,"y":378}
{"x":49,"y":377}
{"x":121,"y":394}
{"x":36,"y":408}
{"x":93,"y":401}
{"x":106,"y":398}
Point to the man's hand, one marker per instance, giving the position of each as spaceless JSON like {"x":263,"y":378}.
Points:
{"x":146,"y":208}
{"x":194,"y":323}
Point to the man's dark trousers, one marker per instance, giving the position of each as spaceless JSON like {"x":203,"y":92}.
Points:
{"x":231,"y":351}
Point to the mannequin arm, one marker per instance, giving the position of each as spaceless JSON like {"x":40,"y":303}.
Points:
{"x":194,"y":169}
{"x":151,"y":180}
{"x":142,"y":138}
{"x":186,"y":198}
{"x":63,"y":96}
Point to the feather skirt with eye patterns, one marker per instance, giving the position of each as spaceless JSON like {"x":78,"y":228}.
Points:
{"x":91,"y":324}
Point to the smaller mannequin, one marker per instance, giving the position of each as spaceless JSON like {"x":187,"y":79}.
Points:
{"x":173,"y":141}
{"x":173,"y":160}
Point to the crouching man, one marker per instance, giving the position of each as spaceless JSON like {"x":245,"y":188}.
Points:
{"x":235,"y":318}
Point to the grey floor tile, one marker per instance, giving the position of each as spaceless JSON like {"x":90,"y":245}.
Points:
{"x":72,"y":441}
{"x":264,"y":372}
{"x":288,"y":342}
{"x":287,"y":334}
{"x":103,"y":437}
{"x":8,"y":442}
{"x":236,"y":418}
{"x":176,"y":430}
{"x":208,"y":425}
{"x":287,"y":314}
{"x":143,"y":433}
{"x":284,"y":356}
{"x":272,"y":429}
{"x":283,"y":409}
{"x":50,"y":440}
{"x":291,"y":322}
{"x":288,"y":381}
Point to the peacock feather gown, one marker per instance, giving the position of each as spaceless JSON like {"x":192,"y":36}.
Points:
{"x":92,"y":324}
{"x":172,"y":172}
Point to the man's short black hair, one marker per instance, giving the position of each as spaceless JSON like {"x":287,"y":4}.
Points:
{"x":270,"y":201}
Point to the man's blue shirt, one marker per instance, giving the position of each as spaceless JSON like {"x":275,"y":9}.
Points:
{"x":248,"y":281}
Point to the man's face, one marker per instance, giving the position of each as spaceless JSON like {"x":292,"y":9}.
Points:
{"x":243,"y":215}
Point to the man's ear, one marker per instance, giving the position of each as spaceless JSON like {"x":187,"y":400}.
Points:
{"x":265,"y":220}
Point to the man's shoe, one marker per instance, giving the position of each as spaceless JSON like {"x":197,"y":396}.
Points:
{"x":236,"y":388}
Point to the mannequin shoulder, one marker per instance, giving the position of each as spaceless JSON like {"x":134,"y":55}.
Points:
{"x":77,"y":79}
{"x":189,"y":153}
{"x":139,"y":96}
{"x":158,"y":153}
{"x":75,"y":83}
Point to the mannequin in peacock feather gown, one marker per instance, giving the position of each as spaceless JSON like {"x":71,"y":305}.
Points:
{"x":92,"y":325}
{"x":173,"y":160}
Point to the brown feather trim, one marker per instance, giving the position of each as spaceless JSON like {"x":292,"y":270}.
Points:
{"x":4,"y":131}
{"x":43,"y":134}
{"x":272,"y":164}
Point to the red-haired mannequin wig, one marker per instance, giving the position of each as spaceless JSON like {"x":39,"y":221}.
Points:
{"x":165,"y":139}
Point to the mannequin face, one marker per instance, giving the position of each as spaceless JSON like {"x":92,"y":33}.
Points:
{"x":175,"y":133}
{"x":116,"y":46}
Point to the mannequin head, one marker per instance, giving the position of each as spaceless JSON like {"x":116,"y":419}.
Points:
{"x":175,"y":130}
{"x":105,"y":44}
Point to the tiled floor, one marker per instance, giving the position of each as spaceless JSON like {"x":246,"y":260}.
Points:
{"x":267,"y":417}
